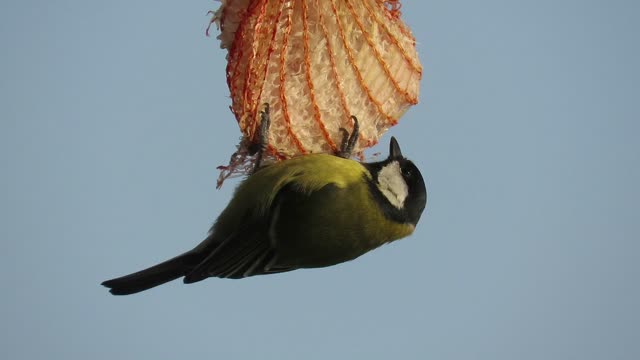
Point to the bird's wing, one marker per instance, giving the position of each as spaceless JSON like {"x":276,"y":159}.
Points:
{"x":250,"y":249}
{"x":244,"y":253}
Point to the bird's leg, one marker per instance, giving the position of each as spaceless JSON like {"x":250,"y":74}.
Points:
{"x":263,"y":136}
{"x":349,"y":140}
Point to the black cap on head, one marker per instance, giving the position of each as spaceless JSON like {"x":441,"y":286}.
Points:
{"x":394,"y":149}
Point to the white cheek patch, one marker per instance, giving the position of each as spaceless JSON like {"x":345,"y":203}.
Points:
{"x":392,"y":184}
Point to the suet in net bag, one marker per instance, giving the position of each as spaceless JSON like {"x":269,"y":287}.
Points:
{"x":316,"y":63}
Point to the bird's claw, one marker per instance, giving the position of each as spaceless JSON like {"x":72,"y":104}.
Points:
{"x":263,"y":136}
{"x":349,"y":140}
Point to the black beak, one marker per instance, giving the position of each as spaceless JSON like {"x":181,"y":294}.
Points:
{"x":394,"y":149}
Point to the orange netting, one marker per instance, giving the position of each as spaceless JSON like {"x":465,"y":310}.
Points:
{"x":316,"y":63}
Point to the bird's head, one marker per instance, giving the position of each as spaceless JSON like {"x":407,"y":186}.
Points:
{"x":398,"y":185}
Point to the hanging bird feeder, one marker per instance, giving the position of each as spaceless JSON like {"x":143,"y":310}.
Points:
{"x":316,"y":63}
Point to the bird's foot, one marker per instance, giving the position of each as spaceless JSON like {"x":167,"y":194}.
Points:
{"x":349,"y":140}
{"x":263,"y":136}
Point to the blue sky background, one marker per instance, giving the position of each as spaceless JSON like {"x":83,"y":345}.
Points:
{"x":114,"y":115}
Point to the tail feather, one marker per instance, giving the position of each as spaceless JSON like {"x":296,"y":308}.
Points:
{"x":156,"y":275}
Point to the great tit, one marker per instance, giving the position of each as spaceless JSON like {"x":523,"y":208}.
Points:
{"x":306,"y":212}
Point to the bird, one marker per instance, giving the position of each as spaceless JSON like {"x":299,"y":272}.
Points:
{"x":310,"y":211}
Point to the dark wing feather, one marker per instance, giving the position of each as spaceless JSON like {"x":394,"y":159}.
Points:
{"x":247,"y":252}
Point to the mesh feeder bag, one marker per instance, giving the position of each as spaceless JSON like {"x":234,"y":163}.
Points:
{"x":316,"y":63}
